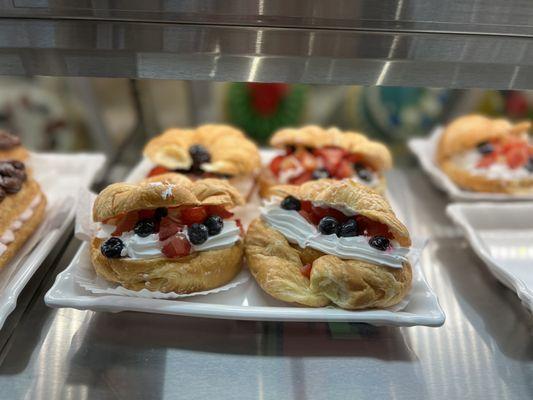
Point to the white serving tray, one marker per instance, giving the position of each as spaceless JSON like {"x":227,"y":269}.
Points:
{"x":425,"y":150}
{"x":244,"y":302}
{"x":502,"y":236}
{"x":60,"y":177}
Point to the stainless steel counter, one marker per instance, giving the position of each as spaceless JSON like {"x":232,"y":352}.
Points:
{"x":483,"y":351}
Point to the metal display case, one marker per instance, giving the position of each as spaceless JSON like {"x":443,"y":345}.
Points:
{"x":485,"y":348}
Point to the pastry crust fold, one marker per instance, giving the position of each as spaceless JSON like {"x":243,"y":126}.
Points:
{"x":231,"y":152}
{"x":350,"y":284}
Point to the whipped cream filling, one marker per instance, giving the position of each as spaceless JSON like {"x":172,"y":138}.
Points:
{"x":9,"y":234}
{"x":136,"y":247}
{"x":297,"y":229}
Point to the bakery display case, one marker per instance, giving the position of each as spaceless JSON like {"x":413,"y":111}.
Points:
{"x":439,"y":305}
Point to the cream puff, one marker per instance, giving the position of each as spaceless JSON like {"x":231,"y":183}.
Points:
{"x":11,"y":148}
{"x":487,"y":155}
{"x":312,"y":152}
{"x":168,"y":234}
{"x":330,"y":242}
{"x":22,"y":207}
{"x":216,"y":151}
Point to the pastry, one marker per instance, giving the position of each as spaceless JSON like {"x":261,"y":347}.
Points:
{"x":487,"y":155}
{"x":11,"y":148}
{"x":330,"y":242}
{"x":168,"y":234}
{"x":314,"y":153}
{"x":22,"y":206}
{"x":217,"y":151}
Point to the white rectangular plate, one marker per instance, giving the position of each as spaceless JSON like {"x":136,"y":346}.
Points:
{"x":502,"y":236}
{"x":244,"y":302}
{"x":425,"y":150}
{"x":60,"y":177}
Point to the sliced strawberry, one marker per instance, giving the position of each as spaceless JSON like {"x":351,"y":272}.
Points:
{"x":306,"y":270}
{"x":310,"y":216}
{"x":220,"y":211}
{"x":157,"y":171}
{"x":331,"y":156}
{"x":193,"y":215}
{"x":487,"y":160}
{"x":176,"y":246}
{"x":306,"y":205}
{"x":275,"y":164}
{"x":517,"y":156}
{"x":168,"y":227}
{"x":144,"y":214}
{"x":302,"y":178}
{"x":126,"y":223}
{"x":354,"y":158}
{"x":322,"y":212}
{"x":344,"y":170}
{"x":369,"y":227}
{"x":307,"y":160}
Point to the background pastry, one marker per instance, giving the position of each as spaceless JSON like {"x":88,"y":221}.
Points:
{"x":487,"y":155}
{"x":168,"y":234}
{"x":314,"y":153}
{"x":330,"y":241}
{"x":219,"y":151}
{"x":11,"y":148}
{"x":22,"y":206}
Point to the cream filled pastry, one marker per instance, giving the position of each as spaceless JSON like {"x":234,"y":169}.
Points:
{"x":215,"y":151}
{"x":330,"y":241}
{"x":168,"y":234}
{"x":22,"y":206}
{"x":312,"y":152}
{"x":487,"y":155}
{"x":11,"y":147}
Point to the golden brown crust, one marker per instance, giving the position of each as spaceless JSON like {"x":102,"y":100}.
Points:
{"x":348,"y":194}
{"x":350,"y":284}
{"x":168,"y":190}
{"x":27,"y":229}
{"x":17,"y":153}
{"x":197,"y":272}
{"x":466,"y":132}
{"x":373,"y":153}
{"x":15,"y":204}
{"x":231,"y":152}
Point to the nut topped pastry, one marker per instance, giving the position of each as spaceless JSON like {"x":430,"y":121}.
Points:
{"x":22,"y":207}
{"x":168,"y":234}
{"x":330,"y":241}
{"x":487,"y":155}
{"x":11,"y":147}
{"x":217,"y":151}
{"x":312,"y":152}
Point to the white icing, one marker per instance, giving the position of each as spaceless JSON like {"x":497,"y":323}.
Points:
{"x":298,"y":230}
{"x":9,"y":234}
{"x":105,"y":230}
{"x":226,"y":238}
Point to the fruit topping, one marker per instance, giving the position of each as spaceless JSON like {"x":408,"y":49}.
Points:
{"x":176,"y":246}
{"x":331,"y":156}
{"x":193,"y":215}
{"x":290,"y":149}
{"x":198,"y":233}
{"x":160,"y":212}
{"x":369,"y":227}
{"x":144,"y":227}
{"x":344,"y":170}
{"x":126,"y":223}
{"x":364,"y":174}
{"x":168,"y":227}
{"x":214,"y":224}
{"x":379,"y":242}
{"x":517,"y":156}
{"x":10,"y":184}
{"x":241,"y":228}
{"x":219,"y":210}
{"x":18,"y":164}
{"x":275,"y":164}
{"x":199,"y":155}
{"x":157,"y":171}
{"x":320,"y":173}
{"x":347,"y":229}
{"x":302,"y":178}
{"x":328,"y":225}
{"x":145,"y":214}
{"x":112,"y":247}
{"x":291,"y":203}
{"x":306,"y":270}
{"x":485,"y":148}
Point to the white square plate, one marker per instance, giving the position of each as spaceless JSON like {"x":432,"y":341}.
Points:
{"x":60,"y":177}
{"x":502,"y":236}
{"x":425,"y":150}
{"x":244,"y":302}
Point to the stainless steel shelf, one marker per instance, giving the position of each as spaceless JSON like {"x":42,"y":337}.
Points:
{"x":483,"y":351}
{"x":453,"y":44}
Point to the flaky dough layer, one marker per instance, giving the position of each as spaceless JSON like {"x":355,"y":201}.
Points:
{"x":197,"y":272}
{"x":350,"y":284}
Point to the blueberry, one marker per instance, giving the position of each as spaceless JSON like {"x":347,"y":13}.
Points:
{"x":320,"y":173}
{"x":112,"y":247}
{"x":214,"y":224}
{"x":160,"y":212}
{"x":291,"y":203}
{"x":144,"y":227}
{"x":199,"y":155}
{"x":328,"y":225}
{"x":529,"y":165}
{"x":348,"y":229}
{"x":364,"y":174}
{"x":198,"y":233}
{"x":485,"y":148}
{"x":379,"y":242}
